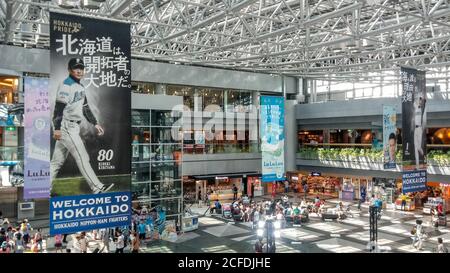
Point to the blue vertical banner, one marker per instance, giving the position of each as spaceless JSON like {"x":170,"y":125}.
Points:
{"x":90,"y":136}
{"x":389,"y":136}
{"x":272,"y":138}
{"x":36,"y":142}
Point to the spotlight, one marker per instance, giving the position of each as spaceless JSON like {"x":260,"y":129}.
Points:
{"x":261,"y":224}
{"x":260,"y":232}
{"x":277,"y":225}
{"x":277,"y":234}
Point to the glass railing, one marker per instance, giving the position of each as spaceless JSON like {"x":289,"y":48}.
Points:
{"x":437,"y":154}
{"x":221,"y":148}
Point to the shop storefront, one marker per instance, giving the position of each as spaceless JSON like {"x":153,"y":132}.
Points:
{"x":320,"y":185}
{"x":329,"y":186}
{"x":441,"y":193}
{"x":220,"y":187}
{"x":437,"y":192}
{"x":386,"y":189}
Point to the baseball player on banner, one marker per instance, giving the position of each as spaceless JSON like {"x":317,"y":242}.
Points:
{"x":71,"y":105}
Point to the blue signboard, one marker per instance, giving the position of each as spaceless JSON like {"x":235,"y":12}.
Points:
{"x":70,"y":214}
{"x":414,"y":181}
{"x":272,"y":138}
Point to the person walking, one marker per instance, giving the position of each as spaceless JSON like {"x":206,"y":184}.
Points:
{"x":58,"y":243}
{"x":135,"y":242}
{"x":235,"y":192}
{"x":363,"y":197}
{"x":403,"y":198}
{"x":83,"y":242}
{"x":142,"y":229}
{"x":259,"y":245}
{"x":253,"y":190}
{"x":120,"y":242}
{"x":18,"y":242}
{"x":38,"y":239}
{"x":441,"y":247}
{"x":104,"y":235}
{"x":418,"y":232}
{"x":25,"y":228}
{"x":305,"y":190}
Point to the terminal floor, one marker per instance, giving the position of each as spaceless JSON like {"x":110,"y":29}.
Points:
{"x":348,"y":236}
{"x":351,"y":235}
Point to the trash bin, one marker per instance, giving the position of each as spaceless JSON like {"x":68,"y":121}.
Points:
{"x":25,"y":210}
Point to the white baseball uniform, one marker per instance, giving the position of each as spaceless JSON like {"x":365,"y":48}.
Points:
{"x":72,"y":94}
{"x":418,"y":132}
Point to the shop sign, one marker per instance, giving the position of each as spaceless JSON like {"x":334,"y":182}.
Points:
{"x":221,"y":177}
{"x":316,"y":174}
{"x":70,"y":214}
{"x":414,"y":181}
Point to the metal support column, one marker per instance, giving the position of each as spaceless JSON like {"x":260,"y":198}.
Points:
{"x":373,"y":228}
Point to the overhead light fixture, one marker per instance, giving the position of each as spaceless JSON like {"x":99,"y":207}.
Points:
{"x":90,"y":4}
{"x":67,"y":4}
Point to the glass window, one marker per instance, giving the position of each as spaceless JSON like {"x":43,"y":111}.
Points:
{"x":140,"y":172}
{"x":164,"y":118}
{"x":239,"y":101}
{"x":8,"y":90}
{"x":141,"y":152}
{"x":166,"y":188}
{"x":212,"y":99}
{"x":171,"y":206}
{"x":185,"y":91}
{"x":140,"y":118}
{"x":165,"y":152}
{"x":140,"y":191}
{"x":165,"y":170}
{"x":140,"y":135}
{"x":143,"y":88}
{"x":163,"y":135}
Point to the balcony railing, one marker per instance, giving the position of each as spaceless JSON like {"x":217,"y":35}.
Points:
{"x":221,"y":148}
{"x":438,"y":155}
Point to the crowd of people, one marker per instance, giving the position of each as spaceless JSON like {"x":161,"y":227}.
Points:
{"x":147,"y":224}
{"x":19,"y":238}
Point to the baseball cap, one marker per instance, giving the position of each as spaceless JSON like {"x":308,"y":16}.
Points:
{"x":76,"y":63}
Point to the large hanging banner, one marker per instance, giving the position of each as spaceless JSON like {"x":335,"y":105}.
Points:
{"x":414,"y":123}
{"x":90,"y":96}
{"x":272,"y":138}
{"x":36,"y":142}
{"x":389,"y":136}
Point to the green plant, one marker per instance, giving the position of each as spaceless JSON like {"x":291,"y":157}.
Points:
{"x":435,"y":157}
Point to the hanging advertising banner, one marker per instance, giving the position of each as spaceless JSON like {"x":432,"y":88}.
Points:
{"x":389,"y":136}
{"x":414,"y":123}
{"x":414,"y":181}
{"x":90,"y":106}
{"x":272,"y":138}
{"x":36,"y":140}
